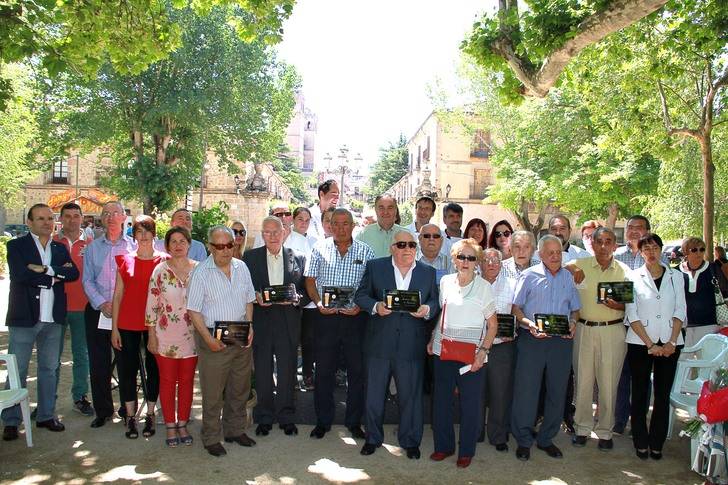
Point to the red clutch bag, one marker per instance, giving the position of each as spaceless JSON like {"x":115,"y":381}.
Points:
{"x":453,"y":349}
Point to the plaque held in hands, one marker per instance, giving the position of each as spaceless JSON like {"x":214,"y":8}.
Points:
{"x":506,"y":325}
{"x":619,"y":291}
{"x":337,"y":297}
{"x":279,"y":293}
{"x":402,"y":300}
{"x":552,"y":325}
{"x":232,"y":333}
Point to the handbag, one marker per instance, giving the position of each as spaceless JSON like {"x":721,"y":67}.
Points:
{"x":721,"y":308}
{"x":454,"y":349}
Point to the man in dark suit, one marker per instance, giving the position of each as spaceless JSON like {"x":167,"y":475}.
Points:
{"x":395,"y":342}
{"x":277,"y":328}
{"x":36,"y":310}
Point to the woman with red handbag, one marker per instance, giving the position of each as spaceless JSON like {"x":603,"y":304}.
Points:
{"x":461,"y":342}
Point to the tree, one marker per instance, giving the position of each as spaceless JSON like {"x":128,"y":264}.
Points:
{"x":285,"y":166}
{"x":215,"y":92}
{"x":18,"y":129}
{"x":531,"y":47}
{"x":129,"y":34}
{"x":391,"y":166}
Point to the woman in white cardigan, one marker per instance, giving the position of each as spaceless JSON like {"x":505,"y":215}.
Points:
{"x":654,"y":341}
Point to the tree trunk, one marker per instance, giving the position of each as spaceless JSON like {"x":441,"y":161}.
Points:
{"x":525,"y":221}
{"x":612,"y":213}
{"x":706,"y":153}
{"x":148,"y":205}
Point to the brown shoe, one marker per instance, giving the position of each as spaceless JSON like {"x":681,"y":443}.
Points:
{"x":216,"y":449}
{"x":242,"y":440}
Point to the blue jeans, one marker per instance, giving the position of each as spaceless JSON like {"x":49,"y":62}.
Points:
{"x":46,"y":336}
{"x":75,"y":323}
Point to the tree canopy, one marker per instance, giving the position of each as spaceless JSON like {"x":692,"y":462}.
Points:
{"x":391,"y":166}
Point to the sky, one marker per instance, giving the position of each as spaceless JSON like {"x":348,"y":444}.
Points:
{"x":366,"y":65}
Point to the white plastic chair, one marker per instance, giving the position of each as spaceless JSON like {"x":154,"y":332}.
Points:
{"x":695,"y":366}
{"x":16,"y":395}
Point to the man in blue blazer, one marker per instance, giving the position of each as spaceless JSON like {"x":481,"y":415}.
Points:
{"x":395,"y":342}
{"x":36,"y":310}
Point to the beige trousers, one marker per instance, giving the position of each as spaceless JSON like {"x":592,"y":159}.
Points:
{"x":598,"y":357}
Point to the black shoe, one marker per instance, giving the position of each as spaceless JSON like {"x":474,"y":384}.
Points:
{"x":580,"y":441}
{"x":641,"y":454}
{"x":33,"y":414}
{"x":552,"y":450}
{"x":357,"y":432}
{"x":122,"y":412}
{"x":263,"y":429}
{"x":481,"y":438}
{"x":216,"y":450}
{"x":83,"y":406}
{"x":149,"y":428}
{"x":318,"y":432}
{"x":523,"y":453}
{"x":10,"y":433}
{"x":503,"y":447}
{"x":413,"y":453}
{"x":368,"y":449}
{"x":98,"y":421}
{"x":569,"y":426}
{"x":656,"y":455}
{"x":242,"y":440}
{"x":290,"y":429}
{"x":131,"y":429}
{"x":50,"y":424}
{"x":605,"y":445}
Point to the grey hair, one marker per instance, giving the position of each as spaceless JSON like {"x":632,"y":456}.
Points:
{"x":524,"y":234}
{"x":115,"y":202}
{"x":601,"y":230}
{"x":341,"y":210}
{"x":273,"y":219}
{"x":405,"y":231}
{"x":546,"y":238}
{"x":220,"y":228}
{"x":433,"y":225}
{"x":493,"y":251}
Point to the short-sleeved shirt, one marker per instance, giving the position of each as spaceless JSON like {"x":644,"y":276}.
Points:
{"x":218,"y":298}
{"x":331,"y":269}
{"x":136,"y":274}
{"x":593,"y":275}
{"x":539,"y":291}
{"x":379,"y":239}
{"x":510,"y":270}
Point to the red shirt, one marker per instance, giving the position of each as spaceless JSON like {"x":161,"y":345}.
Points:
{"x":75,"y":296}
{"x":135,"y":273}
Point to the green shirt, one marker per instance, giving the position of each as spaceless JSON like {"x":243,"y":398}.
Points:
{"x":378,"y":239}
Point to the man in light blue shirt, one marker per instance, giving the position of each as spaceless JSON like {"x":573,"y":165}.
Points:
{"x":183,"y":218}
{"x":379,"y":236}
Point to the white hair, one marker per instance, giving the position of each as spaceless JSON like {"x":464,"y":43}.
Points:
{"x":546,"y":238}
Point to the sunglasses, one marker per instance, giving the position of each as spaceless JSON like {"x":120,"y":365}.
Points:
{"x":462,"y":257}
{"x":282,"y":214}
{"x":431,"y":236}
{"x":505,"y":233}
{"x":220,"y":247}
{"x":239,"y":232}
{"x":695,"y":250}
{"x":405,"y":244}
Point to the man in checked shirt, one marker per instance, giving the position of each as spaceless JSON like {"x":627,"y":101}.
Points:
{"x":338,"y":261}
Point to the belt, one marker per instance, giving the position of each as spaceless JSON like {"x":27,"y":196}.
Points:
{"x":590,"y":323}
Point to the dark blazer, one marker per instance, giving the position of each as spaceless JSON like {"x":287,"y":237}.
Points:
{"x":293,"y":266}
{"x":397,"y":336}
{"x":25,"y":285}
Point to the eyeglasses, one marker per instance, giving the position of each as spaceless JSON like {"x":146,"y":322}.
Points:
{"x":432,"y":236}
{"x":282,"y":214}
{"x":272,"y":233}
{"x":505,"y":233}
{"x":492,"y":260}
{"x":239,"y":232}
{"x":405,"y":244}
{"x":220,"y":247}
{"x":695,"y":250}
{"x":462,"y":257}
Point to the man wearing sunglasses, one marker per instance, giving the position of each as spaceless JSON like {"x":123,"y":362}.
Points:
{"x":338,"y":261}
{"x":379,"y":236}
{"x":221,"y":290}
{"x":183,"y":218}
{"x":396,"y":341}
{"x":430,"y":253}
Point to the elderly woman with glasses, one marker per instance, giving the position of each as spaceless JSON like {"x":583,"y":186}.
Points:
{"x":699,"y":291}
{"x":468,"y":324}
{"x":500,"y":238}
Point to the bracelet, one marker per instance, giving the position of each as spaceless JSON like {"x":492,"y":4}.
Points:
{"x":487,"y":350}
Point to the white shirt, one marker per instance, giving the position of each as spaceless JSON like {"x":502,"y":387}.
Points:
{"x":402,"y":282}
{"x":574,"y":252}
{"x":275,"y":267}
{"x":316,"y":227}
{"x":299,"y":243}
{"x":46,"y":294}
{"x":504,"y":289}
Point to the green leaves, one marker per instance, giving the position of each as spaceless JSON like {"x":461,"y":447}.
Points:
{"x":389,"y":168}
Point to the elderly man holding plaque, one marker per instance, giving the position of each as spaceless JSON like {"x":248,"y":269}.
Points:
{"x":400,"y":293}
{"x":599,"y":347}
{"x":277,"y":273}
{"x":546,"y":305}
{"x":220,"y":304}
{"x":333,"y":274}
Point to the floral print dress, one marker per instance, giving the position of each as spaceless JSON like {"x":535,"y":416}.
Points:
{"x":167,"y":312}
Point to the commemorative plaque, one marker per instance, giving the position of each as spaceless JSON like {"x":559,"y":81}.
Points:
{"x":402,"y":300}
{"x":506,"y":325}
{"x":279,"y":293}
{"x":554,"y":325}
{"x":338,"y":296}
{"x":619,"y":291}
{"x":232,"y":333}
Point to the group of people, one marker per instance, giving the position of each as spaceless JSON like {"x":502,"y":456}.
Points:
{"x":156,"y":303}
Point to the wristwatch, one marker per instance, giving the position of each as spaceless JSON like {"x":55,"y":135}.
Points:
{"x":487,"y":350}
{"x":674,"y":344}
{"x":45,"y":268}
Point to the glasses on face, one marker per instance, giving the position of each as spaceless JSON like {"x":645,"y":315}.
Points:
{"x":463,"y":257}
{"x":220,"y":247}
{"x":695,"y":250}
{"x":431,"y":236}
{"x":405,"y":244}
{"x":272,"y":233}
{"x":492,"y":260}
{"x":282,"y":214}
{"x":239,"y":232}
{"x":505,"y":233}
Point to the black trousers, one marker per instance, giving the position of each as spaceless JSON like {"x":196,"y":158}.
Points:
{"x":98,"y":342}
{"x":337,"y":334}
{"x":274,"y":338}
{"x":307,"y":339}
{"x":498,"y":391}
{"x":641,"y":365}
{"x":129,"y":362}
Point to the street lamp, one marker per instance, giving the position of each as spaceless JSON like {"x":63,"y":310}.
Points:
{"x":237,"y":181}
{"x":448,"y":188}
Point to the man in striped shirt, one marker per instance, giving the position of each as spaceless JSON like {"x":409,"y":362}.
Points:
{"x":221,"y":290}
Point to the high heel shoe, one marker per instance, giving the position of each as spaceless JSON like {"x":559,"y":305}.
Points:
{"x":172,"y":442}
{"x":641,"y":454}
{"x":187,"y":438}
{"x":149,"y":426}
{"x":131,"y":428}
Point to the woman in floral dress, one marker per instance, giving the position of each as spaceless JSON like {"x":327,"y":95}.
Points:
{"x":171,"y":334}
